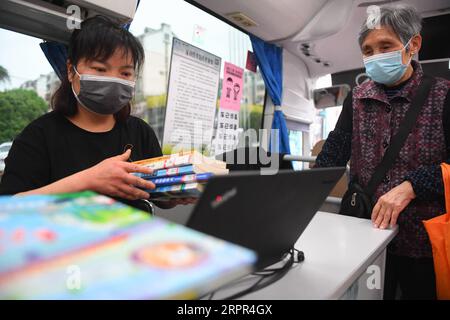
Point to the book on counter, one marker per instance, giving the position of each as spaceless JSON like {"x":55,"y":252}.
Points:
{"x":180,"y":175}
{"x":88,"y":246}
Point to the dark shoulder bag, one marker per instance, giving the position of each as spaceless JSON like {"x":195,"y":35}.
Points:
{"x":357,"y":201}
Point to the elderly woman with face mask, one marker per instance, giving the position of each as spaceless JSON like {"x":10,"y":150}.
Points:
{"x":412,"y":190}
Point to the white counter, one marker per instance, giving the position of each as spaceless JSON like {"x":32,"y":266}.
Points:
{"x":338,"y":250}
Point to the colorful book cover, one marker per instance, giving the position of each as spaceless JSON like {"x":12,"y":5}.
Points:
{"x":34,"y":228}
{"x":180,"y":159}
{"x":187,"y":178}
{"x":189,"y":169}
{"x":178,"y":188}
{"x":87,"y":246}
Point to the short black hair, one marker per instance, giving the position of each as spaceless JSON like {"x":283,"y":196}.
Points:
{"x":97,"y":39}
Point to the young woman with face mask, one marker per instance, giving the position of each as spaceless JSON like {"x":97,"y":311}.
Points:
{"x":89,"y":139}
{"x":412,"y":190}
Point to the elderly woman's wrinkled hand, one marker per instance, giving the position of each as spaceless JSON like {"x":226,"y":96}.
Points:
{"x":391,"y":204}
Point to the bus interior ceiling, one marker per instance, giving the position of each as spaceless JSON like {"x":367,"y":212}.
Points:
{"x":321,"y":33}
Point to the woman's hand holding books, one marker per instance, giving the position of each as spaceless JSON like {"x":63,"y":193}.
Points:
{"x":113,"y":177}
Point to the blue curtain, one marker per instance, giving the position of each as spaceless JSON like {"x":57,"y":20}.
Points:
{"x":270,"y":61}
{"x":127,"y":26}
{"x":56,"y":53}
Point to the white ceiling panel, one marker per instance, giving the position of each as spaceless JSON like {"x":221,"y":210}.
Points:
{"x":282,"y":20}
{"x":341,"y":50}
{"x":276,"y":19}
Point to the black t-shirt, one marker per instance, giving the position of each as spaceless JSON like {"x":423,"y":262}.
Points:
{"x":52,"y":147}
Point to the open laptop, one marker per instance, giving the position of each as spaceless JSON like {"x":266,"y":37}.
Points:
{"x":266,"y":213}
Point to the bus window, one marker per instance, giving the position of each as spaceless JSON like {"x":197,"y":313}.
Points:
{"x":325,"y":119}
{"x":27,"y":82}
{"x":156,"y":23}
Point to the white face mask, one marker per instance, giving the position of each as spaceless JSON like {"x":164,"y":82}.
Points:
{"x":103,"y":95}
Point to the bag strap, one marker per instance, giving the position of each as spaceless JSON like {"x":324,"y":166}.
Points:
{"x":399,"y":139}
{"x":446,"y":178}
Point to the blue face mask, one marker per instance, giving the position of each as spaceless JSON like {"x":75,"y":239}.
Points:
{"x":386,"y":68}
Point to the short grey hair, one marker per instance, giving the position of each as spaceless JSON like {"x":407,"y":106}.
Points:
{"x":404,"y":20}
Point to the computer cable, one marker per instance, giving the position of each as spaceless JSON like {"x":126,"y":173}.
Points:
{"x":270,"y":274}
{"x":272,"y":277}
{"x":273,"y":274}
{"x":294,"y":253}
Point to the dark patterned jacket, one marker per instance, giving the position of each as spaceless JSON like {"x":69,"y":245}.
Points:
{"x":363,"y":134}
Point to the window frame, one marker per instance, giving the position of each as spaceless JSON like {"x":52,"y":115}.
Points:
{"x":212,"y":13}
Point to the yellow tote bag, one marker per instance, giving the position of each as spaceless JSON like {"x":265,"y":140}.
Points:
{"x":438,"y":230}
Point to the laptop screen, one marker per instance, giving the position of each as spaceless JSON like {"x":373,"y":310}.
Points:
{"x":266,"y":213}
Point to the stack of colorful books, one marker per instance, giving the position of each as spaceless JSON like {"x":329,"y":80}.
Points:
{"x":180,"y":175}
{"x":88,"y":246}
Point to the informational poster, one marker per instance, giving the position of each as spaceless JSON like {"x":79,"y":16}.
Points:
{"x":230,"y":104}
{"x":191,"y":98}
{"x":227,"y":131}
{"x":232,"y":87}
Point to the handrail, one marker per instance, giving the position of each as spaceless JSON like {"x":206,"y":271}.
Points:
{"x":333,"y":200}
{"x":290,"y":157}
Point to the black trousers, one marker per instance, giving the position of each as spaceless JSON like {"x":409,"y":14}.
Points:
{"x":414,"y":276}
